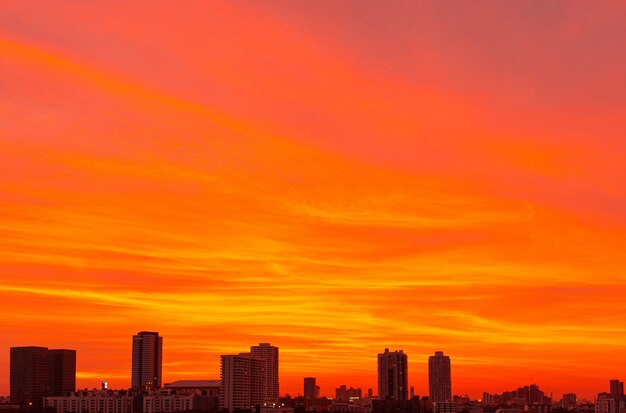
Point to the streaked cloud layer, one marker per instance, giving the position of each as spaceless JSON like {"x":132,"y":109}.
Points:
{"x":334,"y":179}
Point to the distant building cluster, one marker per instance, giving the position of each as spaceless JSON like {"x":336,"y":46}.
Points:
{"x":344,"y":394}
{"x":37,"y":372}
{"x":249,"y":379}
{"x":523,"y":395}
{"x":43,"y":380}
{"x":612,"y":401}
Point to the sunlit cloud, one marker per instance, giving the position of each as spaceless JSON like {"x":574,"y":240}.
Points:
{"x":228,"y":174}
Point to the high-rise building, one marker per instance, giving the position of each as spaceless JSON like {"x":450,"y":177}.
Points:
{"x":617,"y":389}
{"x":147,"y":360}
{"x":29,"y":375}
{"x":439,"y":378}
{"x":242,"y":382}
{"x":37,"y":372}
{"x":392,"y":375}
{"x":61,"y":372}
{"x":310,"y":388}
{"x":269,"y":355}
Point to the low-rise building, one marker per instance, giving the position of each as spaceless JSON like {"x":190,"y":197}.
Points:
{"x":92,"y":402}
{"x":276,"y":409}
{"x":161,"y":401}
{"x":444,"y":407}
{"x":9,"y":408}
{"x":340,"y":407}
{"x":204,"y":387}
{"x":167,"y":403}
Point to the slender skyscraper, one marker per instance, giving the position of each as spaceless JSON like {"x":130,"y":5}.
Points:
{"x":393,"y":375}
{"x":269,"y":355}
{"x":439,"y":378}
{"x":147,"y":360}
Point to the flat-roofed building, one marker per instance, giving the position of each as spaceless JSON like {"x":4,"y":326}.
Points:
{"x":167,"y":403}
{"x":205,"y":387}
{"x":92,"y":402}
{"x":147,"y":359}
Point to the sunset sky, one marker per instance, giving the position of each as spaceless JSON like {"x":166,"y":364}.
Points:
{"x":333,"y":178}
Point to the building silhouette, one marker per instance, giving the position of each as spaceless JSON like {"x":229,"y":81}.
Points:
{"x":28,"y":375}
{"x":439,"y":378}
{"x":530,"y":394}
{"x":241,"y":382}
{"x":92,"y":402}
{"x":400,"y":406}
{"x":608,"y":404}
{"x":616,"y":389}
{"x":613,"y":401}
{"x":392,"y":375}
{"x":61,"y":372}
{"x":36,"y":372}
{"x":269,"y":355}
{"x":345,"y":394}
{"x":310,"y":388}
{"x":444,"y":407}
{"x":568,"y":401}
{"x":147,"y":361}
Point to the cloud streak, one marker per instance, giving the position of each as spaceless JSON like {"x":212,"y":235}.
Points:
{"x":234,"y":173}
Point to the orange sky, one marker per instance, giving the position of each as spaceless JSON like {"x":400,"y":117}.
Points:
{"x":333,"y":178}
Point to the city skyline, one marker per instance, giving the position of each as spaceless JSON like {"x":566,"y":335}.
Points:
{"x":245,"y":377}
{"x":207,"y":396}
{"x":334,"y":178}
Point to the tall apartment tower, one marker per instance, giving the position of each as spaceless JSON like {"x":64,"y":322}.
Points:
{"x":439,"y":378}
{"x":310,"y":388}
{"x":393,"y":375}
{"x":242,"y":382}
{"x":147,"y":361}
{"x":269,"y":355}
{"x":37,"y":372}
{"x":61,"y":372}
